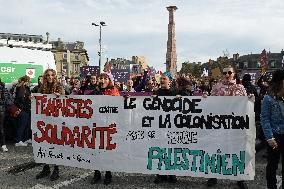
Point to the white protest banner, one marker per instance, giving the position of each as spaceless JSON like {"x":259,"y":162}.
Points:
{"x":188,"y":136}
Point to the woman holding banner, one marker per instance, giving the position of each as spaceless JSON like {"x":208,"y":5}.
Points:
{"x":272,"y":122}
{"x":50,"y":85}
{"x":106,"y":87}
{"x":227,"y":87}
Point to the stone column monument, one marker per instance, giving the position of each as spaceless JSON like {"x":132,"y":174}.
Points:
{"x":171,"y":57}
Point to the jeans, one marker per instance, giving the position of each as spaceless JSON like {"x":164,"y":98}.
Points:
{"x":22,"y":126}
{"x":273,"y":160}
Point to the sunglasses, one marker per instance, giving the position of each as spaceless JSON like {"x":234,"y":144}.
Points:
{"x":229,"y":72}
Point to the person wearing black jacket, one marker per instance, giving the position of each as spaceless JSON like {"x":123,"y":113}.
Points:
{"x":6,"y":100}
{"x":165,"y":90}
{"x":23,"y":102}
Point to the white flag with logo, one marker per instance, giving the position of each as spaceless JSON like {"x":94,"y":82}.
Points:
{"x":30,"y":72}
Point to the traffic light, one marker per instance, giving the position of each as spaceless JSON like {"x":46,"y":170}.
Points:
{"x":99,"y":53}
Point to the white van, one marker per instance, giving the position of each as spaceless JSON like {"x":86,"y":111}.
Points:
{"x":16,"y":62}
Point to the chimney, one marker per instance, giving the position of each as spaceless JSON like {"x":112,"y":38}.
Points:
{"x":236,"y":56}
{"x":47,"y":37}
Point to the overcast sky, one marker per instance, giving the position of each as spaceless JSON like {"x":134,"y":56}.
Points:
{"x":204,"y":28}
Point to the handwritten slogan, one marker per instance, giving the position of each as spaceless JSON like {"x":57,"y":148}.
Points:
{"x":188,"y":136}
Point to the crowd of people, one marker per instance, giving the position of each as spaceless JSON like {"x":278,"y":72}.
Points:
{"x":15,"y":107}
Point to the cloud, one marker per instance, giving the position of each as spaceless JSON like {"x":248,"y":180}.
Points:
{"x":204,"y":28}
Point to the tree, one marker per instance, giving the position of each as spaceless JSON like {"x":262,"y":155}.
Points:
{"x":191,"y":69}
{"x":197,"y":70}
{"x":187,"y":68}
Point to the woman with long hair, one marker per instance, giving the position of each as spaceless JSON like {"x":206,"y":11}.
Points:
{"x":23,"y":102}
{"x":50,"y":85}
{"x":106,"y":87}
{"x":272,"y":122}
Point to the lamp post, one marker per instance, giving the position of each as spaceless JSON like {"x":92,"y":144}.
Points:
{"x":100,"y":42}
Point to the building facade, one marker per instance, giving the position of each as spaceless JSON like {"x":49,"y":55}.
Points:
{"x":69,"y":57}
{"x":246,"y":64}
{"x":252,"y":61}
{"x":25,"y":41}
{"x":120,"y":63}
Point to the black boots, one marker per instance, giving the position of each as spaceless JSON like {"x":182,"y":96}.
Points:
{"x":164,"y":178}
{"x":172,"y":179}
{"x":55,"y":174}
{"x":211,"y":182}
{"x":108,"y":177}
{"x":97,"y":177}
{"x":160,"y":179}
{"x":46,"y":172}
{"x":242,"y":185}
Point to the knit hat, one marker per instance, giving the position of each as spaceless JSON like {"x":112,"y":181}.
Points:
{"x":169,"y":75}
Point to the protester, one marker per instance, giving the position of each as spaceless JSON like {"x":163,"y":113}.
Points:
{"x":50,"y":86}
{"x":77,"y":87}
{"x":129,"y":86}
{"x":20,"y":120}
{"x":263,"y":85}
{"x":118,"y":85}
{"x":165,"y":83}
{"x":38,"y":86}
{"x":206,"y":87}
{"x":250,"y":88}
{"x":150,"y":86}
{"x":106,"y":87}
{"x":165,"y":90}
{"x":228,"y":87}
{"x":184,"y":86}
{"x":6,"y":100}
{"x":23,"y":102}
{"x":67,"y":86}
{"x":91,"y":86}
{"x":272,"y":122}
{"x":23,"y":94}
{"x":139,"y":85}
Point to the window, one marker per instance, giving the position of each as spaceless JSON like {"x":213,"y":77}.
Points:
{"x":77,"y":57}
{"x":272,"y":64}
{"x":245,"y":64}
{"x":258,"y":64}
{"x":65,"y":56}
{"x":64,"y":65}
{"x":237,"y":65}
{"x":76,"y":68}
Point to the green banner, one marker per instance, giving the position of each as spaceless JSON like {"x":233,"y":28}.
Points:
{"x":10,"y":72}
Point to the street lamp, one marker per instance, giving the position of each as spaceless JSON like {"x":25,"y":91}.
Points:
{"x":100,"y":41}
